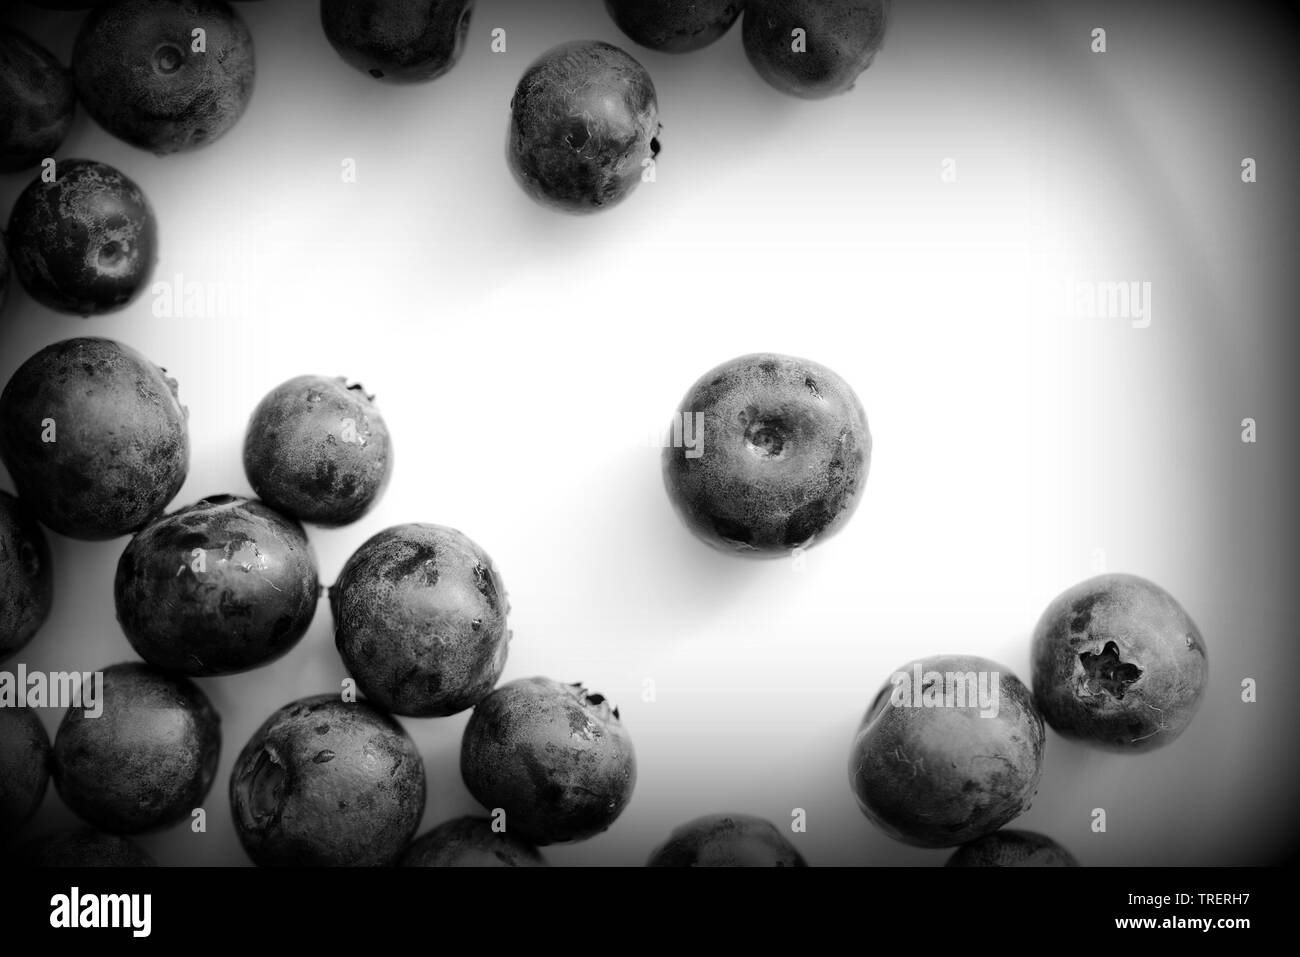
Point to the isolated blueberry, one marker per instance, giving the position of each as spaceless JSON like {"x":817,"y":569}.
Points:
{"x":769,"y":453}
{"x":1119,"y":664}
{"x":94,"y":436}
{"x":726,"y":840}
{"x":147,"y":761}
{"x":82,"y":847}
{"x":327,"y":783}
{"x":584,"y":127}
{"x":37,"y":101}
{"x":471,"y":842}
{"x":934,"y":765}
{"x":144,"y":76}
{"x":26,"y":578}
{"x":555,"y":757}
{"x":317,"y":448}
{"x":407,"y":42}
{"x":674,"y":26}
{"x":85,"y":243}
{"x":24,"y":768}
{"x":420,"y":620}
{"x":814,"y":48}
{"x":1008,"y":848}
{"x":221,"y":586}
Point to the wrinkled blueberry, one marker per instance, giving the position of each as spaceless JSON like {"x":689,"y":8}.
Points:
{"x":327,"y":783}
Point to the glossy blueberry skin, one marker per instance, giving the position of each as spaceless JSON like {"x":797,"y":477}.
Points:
{"x":943,"y":776}
{"x":86,"y":243}
{"x":727,"y":840}
{"x":218,"y":587}
{"x":26,"y":576}
{"x":554,"y":757}
{"x":24,"y":768}
{"x":147,"y":761}
{"x":843,"y":38}
{"x":82,"y":847}
{"x":318,"y":449}
{"x":420,"y":620}
{"x":37,"y":101}
{"x":139,"y":77}
{"x":121,"y":449}
{"x":784,"y":456}
{"x":1118,"y":664}
{"x":326,"y":783}
{"x":674,"y":26}
{"x":1008,"y":848}
{"x":470,"y":842}
{"x":409,"y":42}
{"x":584,"y":121}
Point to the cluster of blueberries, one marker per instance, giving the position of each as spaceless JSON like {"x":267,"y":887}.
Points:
{"x":96,"y":441}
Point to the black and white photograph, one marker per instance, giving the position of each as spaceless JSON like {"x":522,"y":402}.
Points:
{"x":854,"y":435}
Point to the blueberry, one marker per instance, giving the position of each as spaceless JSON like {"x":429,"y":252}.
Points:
{"x":327,"y":783}
{"x":94,"y":437}
{"x":26,"y":579}
{"x":82,"y":847}
{"x":318,"y":449}
{"x":726,"y":840}
{"x":85,"y":243}
{"x":470,"y":842}
{"x":147,"y":761}
{"x":840,"y":39}
{"x":674,"y":26}
{"x":420,"y":620}
{"x":950,"y":750}
{"x":24,"y":768}
{"x":1118,"y":664}
{"x":139,"y":75}
{"x":1012,"y":849}
{"x":769,"y":453}
{"x":409,"y":42}
{"x":555,"y":757}
{"x":221,"y":586}
{"x":37,"y":101}
{"x":584,"y":126}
